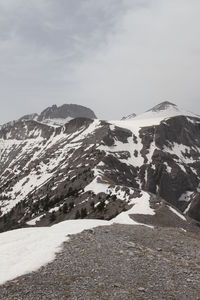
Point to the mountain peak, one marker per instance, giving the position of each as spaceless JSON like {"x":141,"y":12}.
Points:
{"x":158,"y":113}
{"x":58,"y":115}
{"x":66,"y":111}
{"x":163,"y":106}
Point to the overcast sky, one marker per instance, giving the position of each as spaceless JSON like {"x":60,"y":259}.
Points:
{"x":114,"y":56}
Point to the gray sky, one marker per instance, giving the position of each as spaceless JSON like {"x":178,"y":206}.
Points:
{"x":114,"y":56}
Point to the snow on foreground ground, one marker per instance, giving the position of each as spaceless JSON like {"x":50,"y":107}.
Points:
{"x":25,"y":250}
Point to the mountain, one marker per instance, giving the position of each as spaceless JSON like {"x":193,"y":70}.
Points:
{"x":158,"y":113}
{"x":65,"y":113}
{"x":59,"y":115}
{"x":139,"y":170}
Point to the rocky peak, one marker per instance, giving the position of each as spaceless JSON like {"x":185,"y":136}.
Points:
{"x":131,"y":116}
{"x":56,"y":116}
{"x":66,"y":111}
{"x":157,"y":114}
{"x":164,"y":106}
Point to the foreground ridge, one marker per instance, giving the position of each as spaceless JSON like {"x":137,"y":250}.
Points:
{"x":119,"y":262}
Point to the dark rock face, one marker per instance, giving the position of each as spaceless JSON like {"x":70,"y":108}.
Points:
{"x":66,"y":111}
{"x":174,"y":165}
{"x":119,"y":172}
{"x":22,"y":130}
{"x":76,"y":124}
{"x":170,"y":185}
{"x":181,"y":130}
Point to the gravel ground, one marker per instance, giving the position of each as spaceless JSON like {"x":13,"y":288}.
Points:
{"x":117,"y":262}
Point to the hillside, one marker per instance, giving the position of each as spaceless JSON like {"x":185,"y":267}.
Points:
{"x":98,"y":169}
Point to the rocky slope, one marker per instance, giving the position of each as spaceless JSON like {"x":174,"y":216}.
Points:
{"x":86,"y":168}
{"x":118,"y":262}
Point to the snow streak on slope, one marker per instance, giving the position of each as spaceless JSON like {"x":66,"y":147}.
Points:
{"x":35,"y":220}
{"x":56,"y":122}
{"x":177,"y":213}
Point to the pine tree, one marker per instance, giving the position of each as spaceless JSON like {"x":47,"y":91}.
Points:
{"x":77,"y":216}
{"x":83,"y":213}
{"x":101,"y":206}
{"x":71,"y":205}
{"x":92,"y":205}
{"x":46,"y":203}
{"x":52,"y":217}
{"x":65,"y":208}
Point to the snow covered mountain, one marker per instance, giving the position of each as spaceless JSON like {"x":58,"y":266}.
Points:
{"x":158,"y":113}
{"x":88,"y":168}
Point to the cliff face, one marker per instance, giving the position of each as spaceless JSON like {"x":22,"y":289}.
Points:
{"x":66,"y":111}
{"x":58,"y":115}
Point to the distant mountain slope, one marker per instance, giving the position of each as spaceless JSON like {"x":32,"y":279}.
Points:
{"x":66,"y":111}
{"x":59,"y":115}
{"x":97,"y":169}
{"x":158,"y":113}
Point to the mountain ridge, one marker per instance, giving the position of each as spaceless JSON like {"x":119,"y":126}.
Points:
{"x":99,"y":169}
{"x":160,"y":112}
{"x":57,"y":115}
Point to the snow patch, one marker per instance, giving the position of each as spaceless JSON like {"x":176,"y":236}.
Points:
{"x":140,"y":206}
{"x":34,"y":221}
{"x":25,"y":250}
{"x":185,"y":196}
{"x":96,"y":186}
{"x":177,"y":213}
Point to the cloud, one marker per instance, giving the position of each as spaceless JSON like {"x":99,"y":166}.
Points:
{"x":115,"y":56}
{"x":153,"y":55}
{"x":41,"y":42}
